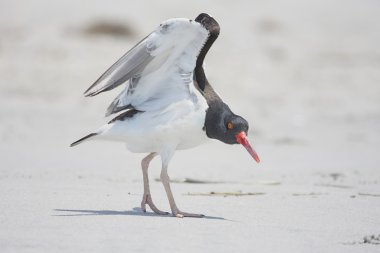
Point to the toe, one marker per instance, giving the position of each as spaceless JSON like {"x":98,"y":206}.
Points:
{"x":180,"y":214}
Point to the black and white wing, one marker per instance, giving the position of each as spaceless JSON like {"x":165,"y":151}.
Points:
{"x":157,"y":71}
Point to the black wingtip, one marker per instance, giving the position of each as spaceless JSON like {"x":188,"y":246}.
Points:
{"x":82,"y":139}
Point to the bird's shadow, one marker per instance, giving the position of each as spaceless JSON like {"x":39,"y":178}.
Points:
{"x":134,"y":212}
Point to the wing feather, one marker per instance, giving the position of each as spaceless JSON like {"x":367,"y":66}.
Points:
{"x":130,"y":64}
{"x":159,"y":69}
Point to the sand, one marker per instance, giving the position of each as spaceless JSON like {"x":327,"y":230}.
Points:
{"x":306,"y":76}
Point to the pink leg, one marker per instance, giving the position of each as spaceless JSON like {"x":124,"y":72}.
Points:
{"x":175,"y":211}
{"x":147,"y":197}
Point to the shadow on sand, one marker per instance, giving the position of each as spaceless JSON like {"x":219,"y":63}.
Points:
{"x":134,"y":212}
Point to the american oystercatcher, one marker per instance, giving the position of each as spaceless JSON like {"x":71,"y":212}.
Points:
{"x":168,"y":103}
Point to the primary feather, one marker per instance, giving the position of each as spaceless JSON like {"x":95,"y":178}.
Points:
{"x":158,"y":71}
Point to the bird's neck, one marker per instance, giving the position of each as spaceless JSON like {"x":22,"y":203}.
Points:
{"x":200,"y":76}
{"x":214,"y":113}
{"x":215,"y":103}
{"x":202,"y":54}
{"x":201,"y":82}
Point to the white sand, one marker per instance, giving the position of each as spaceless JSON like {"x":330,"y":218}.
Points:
{"x":305,"y":74}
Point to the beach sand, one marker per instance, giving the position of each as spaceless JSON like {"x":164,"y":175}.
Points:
{"x":305,"y":75}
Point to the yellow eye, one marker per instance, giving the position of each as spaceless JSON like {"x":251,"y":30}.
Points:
{"x":230,"y":125}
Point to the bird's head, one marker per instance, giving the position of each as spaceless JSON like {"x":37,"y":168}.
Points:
{"x":222,"y":124}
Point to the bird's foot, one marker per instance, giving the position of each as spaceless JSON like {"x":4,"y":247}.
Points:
{"x":179,"y":214}
{"x":147,"y":199}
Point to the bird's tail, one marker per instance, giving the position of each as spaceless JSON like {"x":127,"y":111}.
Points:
{"x":83,"y":139}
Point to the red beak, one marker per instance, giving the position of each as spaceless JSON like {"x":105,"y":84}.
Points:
{"x":243,"y":140}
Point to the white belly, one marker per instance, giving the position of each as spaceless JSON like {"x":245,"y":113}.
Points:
{"x":179,"y":126}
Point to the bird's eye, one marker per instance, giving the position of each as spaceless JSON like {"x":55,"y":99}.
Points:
{"x":230,"y":125}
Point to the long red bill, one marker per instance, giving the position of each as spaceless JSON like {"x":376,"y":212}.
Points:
{"x":243,"y":140}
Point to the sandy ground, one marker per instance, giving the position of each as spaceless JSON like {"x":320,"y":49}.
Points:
{"x":306,"y":75}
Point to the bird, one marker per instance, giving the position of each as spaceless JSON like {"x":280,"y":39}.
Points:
{"x":167,"y":103}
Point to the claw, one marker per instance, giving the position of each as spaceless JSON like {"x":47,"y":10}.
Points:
{"x":180,"y":214}
{"x":147,"y":199}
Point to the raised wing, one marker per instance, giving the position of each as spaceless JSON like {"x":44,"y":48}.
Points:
{"x":128,"y":65}
{"x":158,"y":69}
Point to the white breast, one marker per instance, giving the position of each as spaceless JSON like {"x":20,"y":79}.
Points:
{"x":179,"y":125}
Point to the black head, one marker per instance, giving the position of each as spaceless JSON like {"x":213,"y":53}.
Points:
{"x":222,"y":124}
